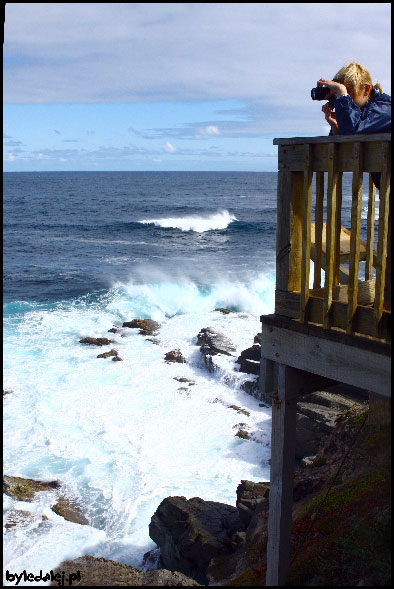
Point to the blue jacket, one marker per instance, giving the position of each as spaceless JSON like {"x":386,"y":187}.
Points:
{"x":374,"y":117}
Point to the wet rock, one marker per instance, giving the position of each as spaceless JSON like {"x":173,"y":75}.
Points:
{"x":249,"y":360}
{"x":224,"y":310}
{"x":190,"y":532}
{"x":242,"y":431}
{"x":239,"y":410}
{"x":108,"y":354}
{"x":117,"y":359}
{"x":20,"y":518}
{"x":183,"y":379}
{"x":175,"y":356}
{"x":146,"y":326}
{"x":252,"y":388}
{"x":96,"y":341}
{"x":101,"y":572}
{"x":212,"y":343}
{"x":70,"y":511}
{"x":25,"y":489}
{"x":114,"y":330}
{"x":6,"y":393}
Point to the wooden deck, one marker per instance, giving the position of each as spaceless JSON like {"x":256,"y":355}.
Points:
{"x":338,"y":330}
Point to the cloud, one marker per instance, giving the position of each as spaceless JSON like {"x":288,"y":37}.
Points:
{"x":210,"y":130}
{"x":132,"y":52}
{"x":169,"y":148}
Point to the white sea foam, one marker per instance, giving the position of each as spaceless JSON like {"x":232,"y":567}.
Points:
{"x":121,"y":436}
{"x":219,"y":220}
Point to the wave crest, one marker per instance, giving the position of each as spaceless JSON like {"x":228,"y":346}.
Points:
{"x":200,"y":224}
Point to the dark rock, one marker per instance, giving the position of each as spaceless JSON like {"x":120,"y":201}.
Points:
{"x":146,"y":326}
{"x":251,"y":387}
{"x":6,"y":393}
{"x":191,"y":532}
{"x":224,"y":310}
{"x":96,"y":341}
{"x":114,"y":330}
{"x":249,"y":360}
{"x":70,"y":511}
{"x":117,"y":359}
{"x":25,"y":489}
{"x":100,"y":572}
{"x":108,"y":354}
{"x":212,"y":343}
{"x":249,"y":496}
{"x":175,"y":356}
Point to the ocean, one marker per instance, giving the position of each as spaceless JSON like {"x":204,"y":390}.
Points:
{"x":84,"y":252}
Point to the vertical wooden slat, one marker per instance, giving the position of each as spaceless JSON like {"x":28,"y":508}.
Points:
{"x":330,"y":234}
{"x":338,"y":221}
{"x":318,"y":228}
{"x":384,"y":196}
{"x":357,"y":194}
{"x":306,"y":231}
{"x":283,"y":437}
{"x":370,"y":229}
{"x":289,"y":231}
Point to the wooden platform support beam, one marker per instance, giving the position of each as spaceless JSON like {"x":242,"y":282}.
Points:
{"x":283,"y":437}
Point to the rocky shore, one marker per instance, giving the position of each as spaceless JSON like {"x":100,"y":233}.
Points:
{"x":210,"y":543}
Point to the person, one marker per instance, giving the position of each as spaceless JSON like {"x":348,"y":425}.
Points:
{"x":360,"y":107}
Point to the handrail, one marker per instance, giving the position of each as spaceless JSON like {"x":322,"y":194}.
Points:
{"x":299,"y":160}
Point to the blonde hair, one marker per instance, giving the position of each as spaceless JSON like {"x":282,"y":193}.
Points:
{"x":355,"y":77}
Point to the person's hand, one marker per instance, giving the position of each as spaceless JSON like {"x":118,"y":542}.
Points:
{"x":335,"y":88}
{"x":330,"y":118}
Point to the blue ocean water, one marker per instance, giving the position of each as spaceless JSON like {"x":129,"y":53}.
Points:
{"x":84,"y":252}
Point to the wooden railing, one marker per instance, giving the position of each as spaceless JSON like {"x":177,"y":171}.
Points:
{"x":347,"y":301}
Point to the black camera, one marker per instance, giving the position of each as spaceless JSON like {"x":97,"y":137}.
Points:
{"x":320,"y":93}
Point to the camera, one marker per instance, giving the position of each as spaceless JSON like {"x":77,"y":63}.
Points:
{"x":320,"y":93}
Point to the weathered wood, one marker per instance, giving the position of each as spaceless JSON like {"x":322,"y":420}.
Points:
{"x":330,"y":235}
{"x":345,"y":363}
{"x":372,"y":138}
{"x":290,"y":156}
{"x":318,"y":229}
{"x":283,"y":437}
{"x":370,"y":229}
{"x":306,"y":231}
{"x":289,"y":231}
{"x":287,"y":304}
{"x":338,"y":229}
{"x":357,"y":195}
{"x":384,"y":195}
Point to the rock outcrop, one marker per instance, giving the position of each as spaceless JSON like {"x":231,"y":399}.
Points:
{"x":96,"y":341}
{"x":101,"y":572}
{"x":211,"y":343}
{"x":175,"y":356}
{"x":23,"y":489}
{"x":191,"y":532}
{"x":108,"y":354}
{"x":145,"y":326}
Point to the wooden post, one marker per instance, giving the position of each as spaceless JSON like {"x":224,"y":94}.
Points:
{"x":330,"y":234}
{"x":318,"y":228}
{"x":306,"y":231}
{"x":357,"y":194}
{"x":284,"y":405}
{"x":370,"y":229}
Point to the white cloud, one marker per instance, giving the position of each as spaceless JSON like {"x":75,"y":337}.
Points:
{"x":210,"y":130}
{"x":132,"y":52}
{"x":169,"y":148}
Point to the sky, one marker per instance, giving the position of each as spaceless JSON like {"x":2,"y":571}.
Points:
{"x":175,"y":86}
